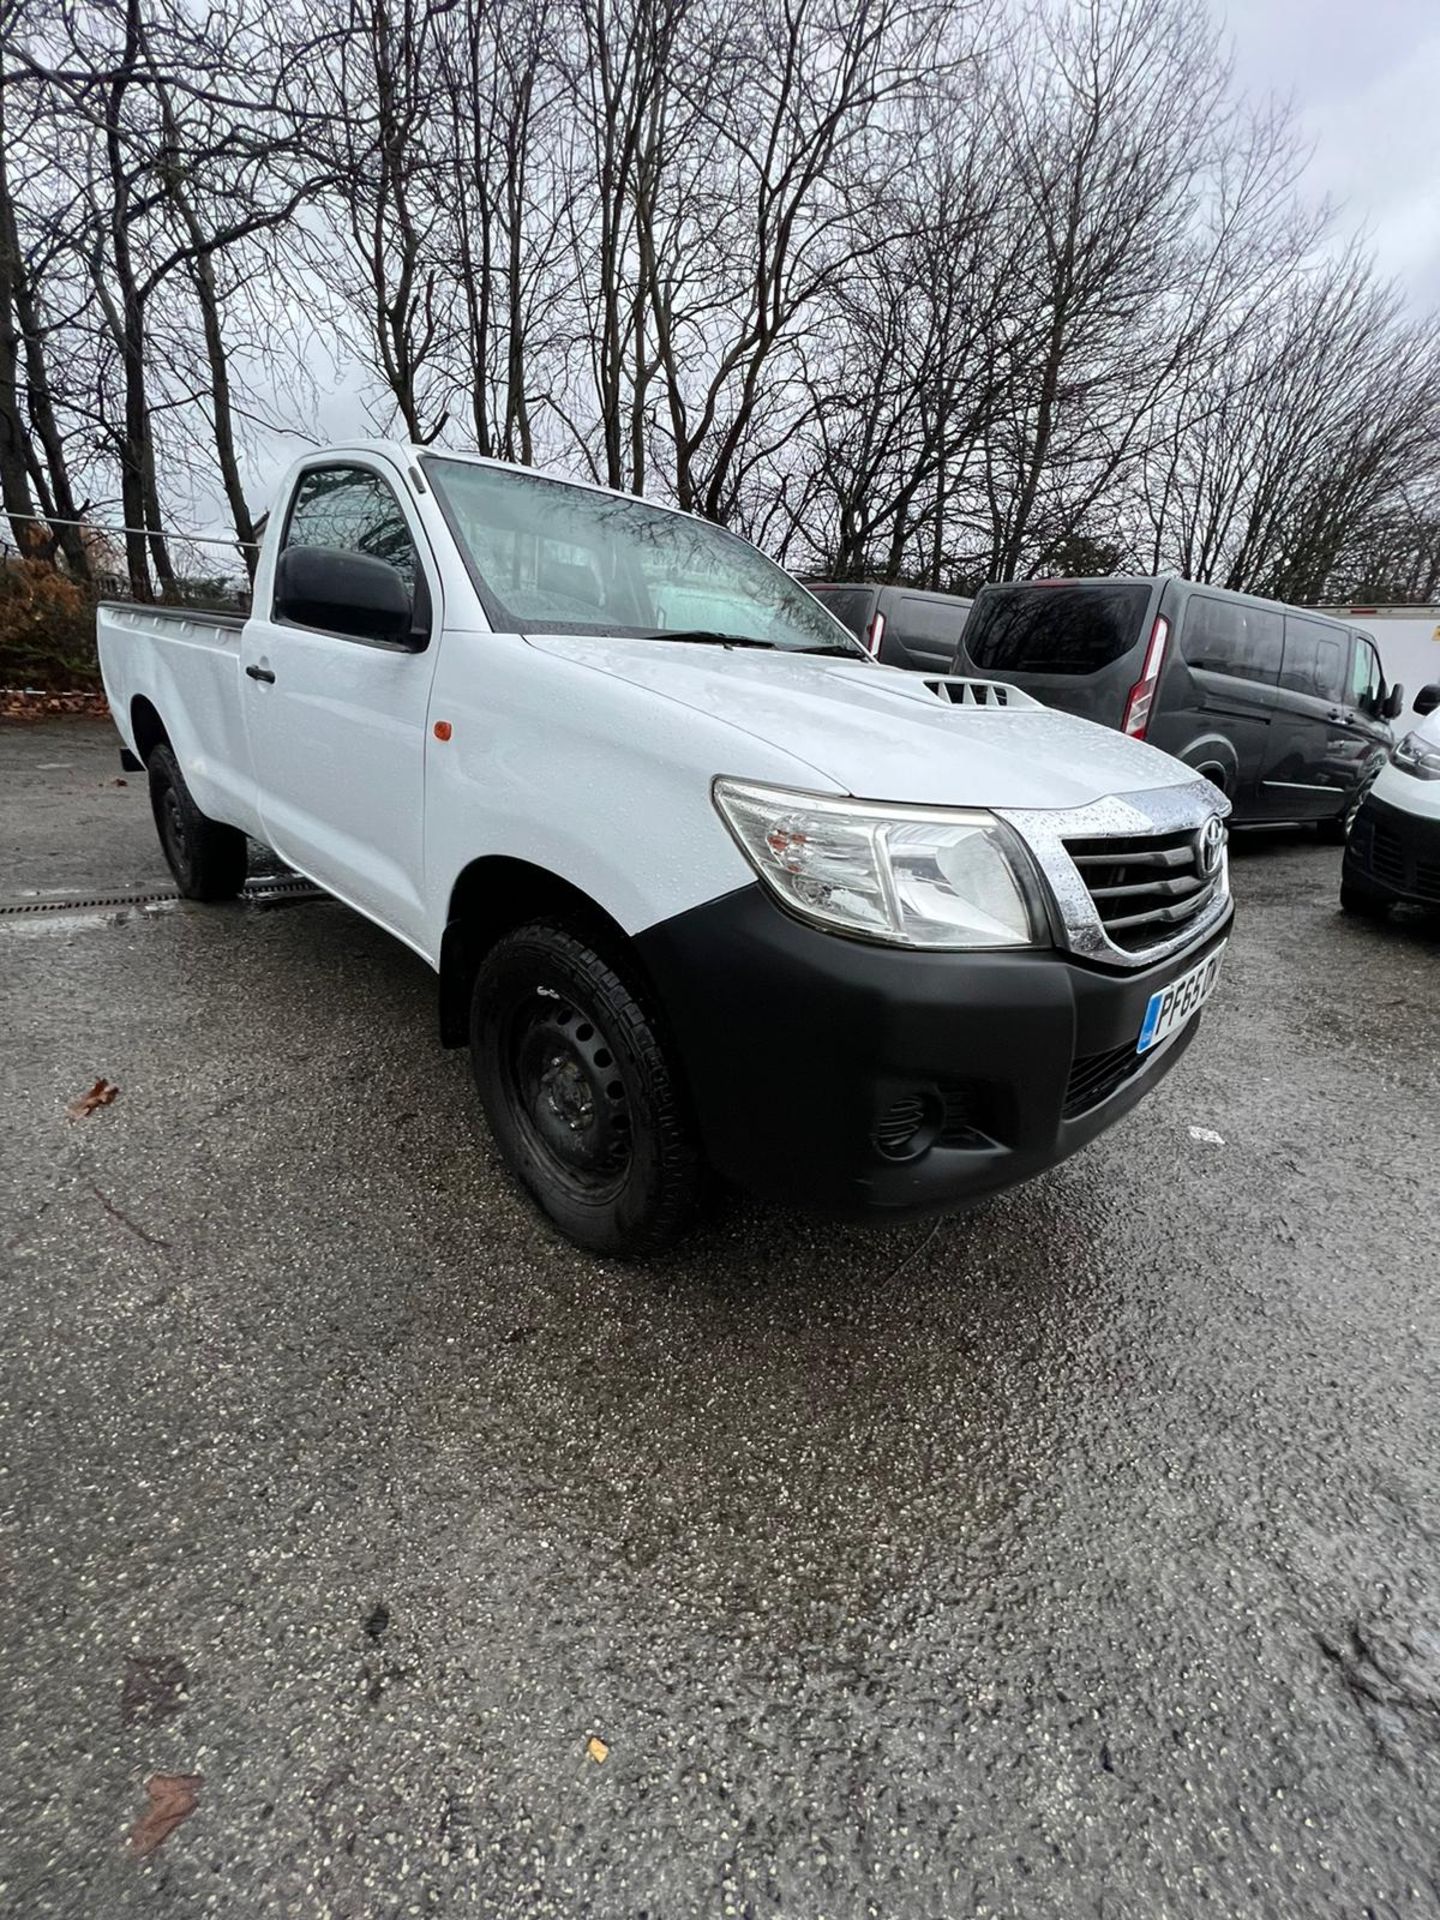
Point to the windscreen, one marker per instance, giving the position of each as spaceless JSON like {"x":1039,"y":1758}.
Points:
{"x":554,"y":558}
{"x":1075,"y":628}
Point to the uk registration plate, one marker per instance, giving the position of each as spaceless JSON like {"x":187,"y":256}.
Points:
{"x":1172,"y":1006}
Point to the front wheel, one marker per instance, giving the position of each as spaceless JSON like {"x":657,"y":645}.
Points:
{"x":580,"y":1092}
{"x":207,"y":858}
{"x":1334,"y":833}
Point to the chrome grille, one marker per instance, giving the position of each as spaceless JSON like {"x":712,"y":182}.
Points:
{"x":1144,"y":887}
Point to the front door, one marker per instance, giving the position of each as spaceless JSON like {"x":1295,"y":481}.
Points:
{"x":1369,"y":731}
{"x":337,"y":724}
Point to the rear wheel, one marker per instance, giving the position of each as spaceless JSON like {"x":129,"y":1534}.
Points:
{"x":207,"y":858}
{"x":580,"y":1093}
{"x":1368,"y":903}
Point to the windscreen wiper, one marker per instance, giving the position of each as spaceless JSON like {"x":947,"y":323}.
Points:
{"x":703,"y":637}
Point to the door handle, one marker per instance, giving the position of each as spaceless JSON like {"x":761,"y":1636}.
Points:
{"x":261,"y":673}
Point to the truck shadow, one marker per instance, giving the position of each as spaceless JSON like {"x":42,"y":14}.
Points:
{"x":779,"y":1424}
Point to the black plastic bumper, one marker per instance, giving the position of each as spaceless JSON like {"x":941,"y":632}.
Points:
{"x":864,"y":1079}
{"x":1395,"y":851}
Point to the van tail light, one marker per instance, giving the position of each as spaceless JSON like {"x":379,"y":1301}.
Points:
{"x":875,"y":635}
{"x":1142,"y":694}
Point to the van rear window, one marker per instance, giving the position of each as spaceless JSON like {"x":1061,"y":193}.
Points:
{"x":1070,"y":629}
{"x":851,"y":606}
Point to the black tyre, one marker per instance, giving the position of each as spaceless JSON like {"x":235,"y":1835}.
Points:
{"x":207,"y":858}
{"x":1334,"y":833}
{"x":580,"y":1095}
{"x":1367,"y":902}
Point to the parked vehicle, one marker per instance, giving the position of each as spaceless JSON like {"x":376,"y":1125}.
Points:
{"x":1407,"y":639}
{"x":1287,"y":712}
{"x":703,"y":883}
{"x":901,"y":626}
{"x":1393,"y":852}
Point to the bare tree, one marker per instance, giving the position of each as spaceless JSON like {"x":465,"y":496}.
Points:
{"x":501,"y":181}
{"x":943,"y":292}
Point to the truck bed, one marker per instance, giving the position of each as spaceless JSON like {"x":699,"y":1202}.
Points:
{"x":185,"y":663}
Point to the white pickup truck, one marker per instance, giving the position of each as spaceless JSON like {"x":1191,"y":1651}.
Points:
{"x":706,"y":887}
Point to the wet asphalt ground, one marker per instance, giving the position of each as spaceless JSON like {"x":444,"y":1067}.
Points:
{"x":1078,"y":1557}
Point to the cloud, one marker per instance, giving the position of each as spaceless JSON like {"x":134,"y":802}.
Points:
{"x":1365,"y":82}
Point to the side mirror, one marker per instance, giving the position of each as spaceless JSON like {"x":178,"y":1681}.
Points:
{"x":343,"y":592}
{"x":1394,"y":703}
{"x":1427,"y":700}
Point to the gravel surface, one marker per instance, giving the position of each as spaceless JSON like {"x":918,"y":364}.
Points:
{"x":1076,"y":1557}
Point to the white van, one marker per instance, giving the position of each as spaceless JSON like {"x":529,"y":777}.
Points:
{"x":1393,"y":852}
{"x":704,"y":884}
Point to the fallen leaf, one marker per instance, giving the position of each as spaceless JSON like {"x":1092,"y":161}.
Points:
{"x":597,"y":1750}
{"x":100,"y":1095}
{"x":29,"y":703}
{"x":173,"y":1797}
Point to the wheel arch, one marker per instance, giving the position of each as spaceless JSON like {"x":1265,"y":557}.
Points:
{"x":147,"y":729}
{"x":1211,"y":755}
{"x":490,"y":896}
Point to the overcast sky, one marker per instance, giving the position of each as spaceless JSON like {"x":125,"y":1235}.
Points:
{"x":1365,"y":79}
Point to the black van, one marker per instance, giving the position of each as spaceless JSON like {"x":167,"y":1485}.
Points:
{"x":902,"y":626}
{"x":1286,"y":711}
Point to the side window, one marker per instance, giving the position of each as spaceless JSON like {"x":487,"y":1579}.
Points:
{"x":1366,"y":679}
{"x":1226,"y":636}
{"x":1315,"y":658}
{"x":355,"y":510}
{"x":928,"y":623}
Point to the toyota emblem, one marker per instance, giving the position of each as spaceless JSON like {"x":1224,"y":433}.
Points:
{"x":1211,"y":845}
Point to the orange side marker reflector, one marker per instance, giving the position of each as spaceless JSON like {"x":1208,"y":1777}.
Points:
{"x":443,"y":729}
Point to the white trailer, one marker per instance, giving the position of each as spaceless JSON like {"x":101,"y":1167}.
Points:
{"x":1408,"y":642}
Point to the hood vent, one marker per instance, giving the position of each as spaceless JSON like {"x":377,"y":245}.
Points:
{"x":979,"y":693}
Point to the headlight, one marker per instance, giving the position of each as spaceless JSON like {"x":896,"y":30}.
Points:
{"x":913,"y":877}
{"x":1417,"y":756}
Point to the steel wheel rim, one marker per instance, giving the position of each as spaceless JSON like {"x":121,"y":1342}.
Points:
{"x":567,"y":1094}
{"x":173,"y":825}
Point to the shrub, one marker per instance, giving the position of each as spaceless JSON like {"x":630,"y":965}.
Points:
{"x":47,"y":628}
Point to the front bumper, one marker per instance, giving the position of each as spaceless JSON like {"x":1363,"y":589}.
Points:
{"x":863,"y":1079}
{"x":1395,"y":851}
